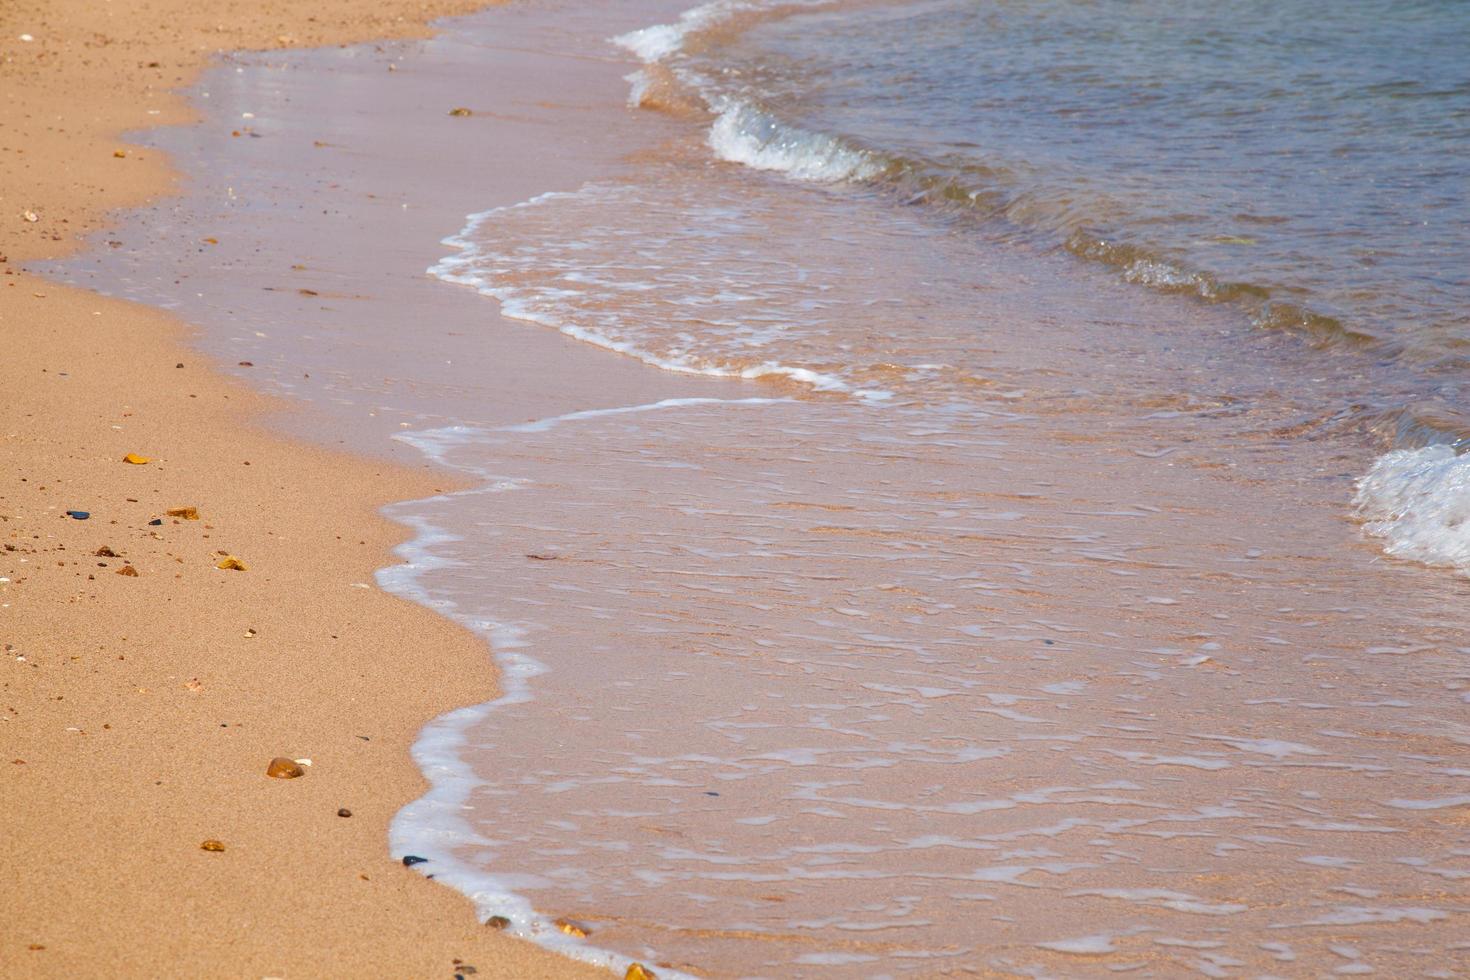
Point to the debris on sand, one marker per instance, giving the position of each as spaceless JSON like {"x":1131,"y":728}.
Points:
{"x":283,"y":768}
{"x":573,"y":928}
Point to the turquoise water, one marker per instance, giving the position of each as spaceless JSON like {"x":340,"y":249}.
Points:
{"x":1307,"y":161}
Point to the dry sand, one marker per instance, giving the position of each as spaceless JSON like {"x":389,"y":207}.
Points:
{"x":138,"y":713}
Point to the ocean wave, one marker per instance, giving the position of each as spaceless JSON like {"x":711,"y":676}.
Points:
{"x":747,"y":130}
{"x":744,"y":134}
{"x":531,"y":281}
{"x":1418,"y":502}
{"x":659,"y":41}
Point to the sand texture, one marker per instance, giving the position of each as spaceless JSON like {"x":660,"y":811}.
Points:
{"x":139,"y":712}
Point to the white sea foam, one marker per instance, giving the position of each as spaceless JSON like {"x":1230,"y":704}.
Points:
{"x":430,"y":826}
{"x":1096,"y":945}
{"x":659,"y":41}
{"x":541,"y":425}
{"x":744,"y":134}
{"x":530,"y":279}
{"x":1418,"y":502}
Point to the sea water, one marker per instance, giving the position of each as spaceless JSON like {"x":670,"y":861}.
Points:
{"x":950,"y":653}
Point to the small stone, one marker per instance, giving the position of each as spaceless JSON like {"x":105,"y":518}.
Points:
{"x":212,"y":845}
{"x":460,"y":111}
{"x":136,"y":460}
{"x":283,"y":768}
{"x":105,"y":552}
{"x":498,"y":922}
{"x":637,"y":971}
{"x":344,"y":812}
{"x":409,"y":860}
{"x":128,"y":570}
{"x":187,"y":513}
{"x":573,"y":928}
{"x":156,"y":522}
{"x":231,"y":563}
{"x":33,"y":217}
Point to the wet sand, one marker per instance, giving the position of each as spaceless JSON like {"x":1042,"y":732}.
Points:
{"x":138,"y":712}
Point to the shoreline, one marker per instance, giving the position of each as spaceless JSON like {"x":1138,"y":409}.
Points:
{"x":194,"y":677}
{"x":1127,"y":602}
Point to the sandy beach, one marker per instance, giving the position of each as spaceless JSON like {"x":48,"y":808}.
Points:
{"x":140,"y":711}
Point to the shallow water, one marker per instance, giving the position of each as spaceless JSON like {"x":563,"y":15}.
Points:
{"x":837,"y":691}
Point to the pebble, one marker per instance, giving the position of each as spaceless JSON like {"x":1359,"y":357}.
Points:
{"x":283,"y":768}
{"x":637,"y":971}
{"x":409,"y":860}
{"x":212,"y":845}
{"x":573,"y":928}
{"x":498,"y":922}
{"x":344,"y":812}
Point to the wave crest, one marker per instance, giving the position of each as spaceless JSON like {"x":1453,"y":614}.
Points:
{"x":1418,"y":501}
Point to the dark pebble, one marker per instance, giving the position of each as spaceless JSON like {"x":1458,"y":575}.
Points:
{"x":710,"y":792}
{"x":344,"y":812}
{"x":80,"y":515}
{"x":156,"y":522}
{"x":498,"y":922}
{"x":409,"y":860}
